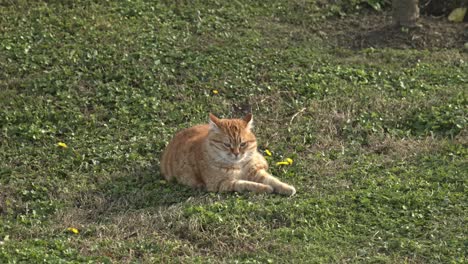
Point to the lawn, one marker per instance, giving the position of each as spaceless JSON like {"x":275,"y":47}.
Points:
{"x":92,"y":91}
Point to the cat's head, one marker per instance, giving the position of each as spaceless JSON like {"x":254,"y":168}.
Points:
{"x":232,"y":139}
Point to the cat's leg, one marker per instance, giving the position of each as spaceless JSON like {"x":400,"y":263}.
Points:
{"x":279,"y":187}
{"x":242,"y":186}
{"x":189,"y":178}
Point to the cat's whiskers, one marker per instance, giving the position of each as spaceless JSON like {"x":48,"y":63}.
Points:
{"x":220,"y":159}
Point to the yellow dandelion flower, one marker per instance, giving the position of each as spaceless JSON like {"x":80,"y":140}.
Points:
{"x":73,"y":230}
{"x":268,"y":152}
{"x":62,"y":145}
{"x":215,"y":91}
{"x":287,"y":161}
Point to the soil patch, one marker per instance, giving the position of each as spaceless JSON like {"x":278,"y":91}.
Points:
{"x":377,"y":31}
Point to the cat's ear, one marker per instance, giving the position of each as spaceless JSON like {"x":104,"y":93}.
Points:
{"x":249,"y":120}
{"x":214,"y":122}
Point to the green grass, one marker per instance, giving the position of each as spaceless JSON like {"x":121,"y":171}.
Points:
{"x":378,"y":136}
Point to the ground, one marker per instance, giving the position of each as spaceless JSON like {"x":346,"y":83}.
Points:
{"x":92,"y":91}
{"x":377,"y":31}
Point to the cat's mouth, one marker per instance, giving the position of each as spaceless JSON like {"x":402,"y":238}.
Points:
{"x":237,"y":158}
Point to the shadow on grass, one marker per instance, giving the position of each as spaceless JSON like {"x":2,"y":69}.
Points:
{"x":143,"y":188}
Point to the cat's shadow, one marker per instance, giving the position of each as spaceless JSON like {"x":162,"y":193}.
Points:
{"x":143,"y":188}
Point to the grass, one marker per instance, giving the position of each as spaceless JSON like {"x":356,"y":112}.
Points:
{"x":378,"y":136}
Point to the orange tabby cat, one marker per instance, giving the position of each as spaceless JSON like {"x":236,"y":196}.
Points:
{"x":220,"y":156}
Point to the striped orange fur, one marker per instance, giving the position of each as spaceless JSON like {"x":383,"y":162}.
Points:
{"x":220,"y":156}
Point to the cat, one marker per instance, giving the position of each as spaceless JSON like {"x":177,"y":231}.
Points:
{"x":220,"y":156}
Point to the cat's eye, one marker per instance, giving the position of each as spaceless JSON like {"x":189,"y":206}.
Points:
{"x":227,"y":145}
{"x":243,"y":144}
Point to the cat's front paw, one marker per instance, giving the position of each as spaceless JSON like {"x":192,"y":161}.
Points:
{"x":266,"y":189}
{"x":287,"y":190}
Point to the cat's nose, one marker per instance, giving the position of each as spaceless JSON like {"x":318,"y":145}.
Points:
{"x":235,"y":152}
